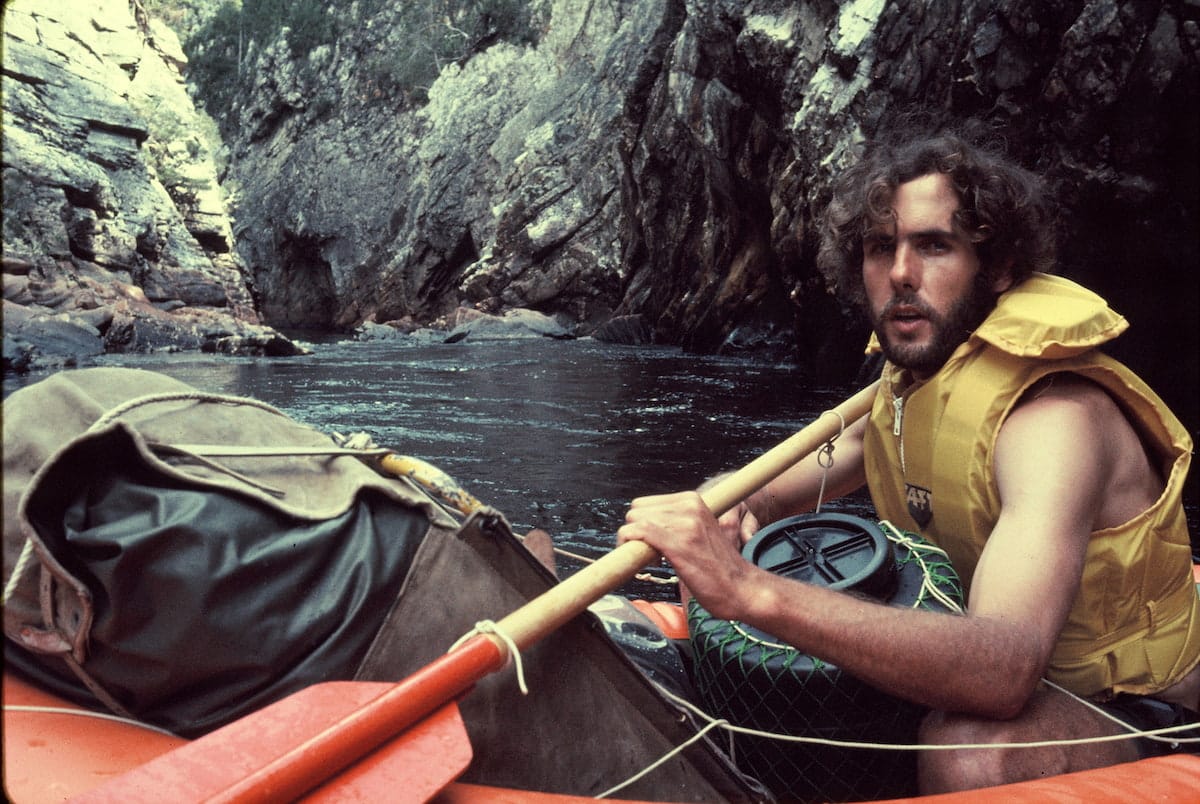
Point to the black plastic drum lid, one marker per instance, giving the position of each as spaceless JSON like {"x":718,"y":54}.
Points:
{"x":834,"y":550}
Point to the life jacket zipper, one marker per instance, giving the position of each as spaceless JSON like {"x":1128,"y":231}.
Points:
{"x":898,"y":427}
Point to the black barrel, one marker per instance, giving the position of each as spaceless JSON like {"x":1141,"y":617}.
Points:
{"x":752,"y":679}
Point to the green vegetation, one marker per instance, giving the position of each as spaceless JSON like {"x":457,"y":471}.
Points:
{"x":423,"y":36}
{"x":439,"y":32}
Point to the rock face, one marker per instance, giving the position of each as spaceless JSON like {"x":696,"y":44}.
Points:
{"x":664,"y":159}
{"x":116,"y":234}
{"x":502,"y":191}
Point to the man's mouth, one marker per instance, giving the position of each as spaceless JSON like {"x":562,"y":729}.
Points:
{"x":906,"y":319}
{"x":905,"y":313}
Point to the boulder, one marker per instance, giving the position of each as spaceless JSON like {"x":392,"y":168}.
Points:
{"x":626,"y":330}
{"x":142,"y":327}
{"x":512,"y":324}
{"x":36,"y":337}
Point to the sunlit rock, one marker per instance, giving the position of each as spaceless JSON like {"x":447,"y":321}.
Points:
{"x":111,"y":196}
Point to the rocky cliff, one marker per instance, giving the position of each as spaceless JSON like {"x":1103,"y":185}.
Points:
{"x":117,"y":236}
{"x":648,"y":167}
{"x":663,"y":160}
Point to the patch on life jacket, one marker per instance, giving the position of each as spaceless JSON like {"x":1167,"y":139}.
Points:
{"x":920,"y":503}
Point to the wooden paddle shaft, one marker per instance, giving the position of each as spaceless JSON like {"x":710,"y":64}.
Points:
{"x":546,"y":613}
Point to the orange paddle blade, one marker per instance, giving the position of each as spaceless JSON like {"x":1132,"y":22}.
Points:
{"x":415,"y":766}
{"x":293,"y":746}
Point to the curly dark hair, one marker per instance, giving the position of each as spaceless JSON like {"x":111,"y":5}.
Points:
{"x":1005,"y":210}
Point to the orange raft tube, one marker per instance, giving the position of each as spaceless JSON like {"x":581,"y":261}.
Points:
{"x":55,"y":755}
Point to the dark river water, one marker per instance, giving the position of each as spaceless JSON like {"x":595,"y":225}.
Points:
{"x":558,"y":435}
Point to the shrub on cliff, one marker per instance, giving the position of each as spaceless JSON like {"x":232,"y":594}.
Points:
{"x":426,"y":36}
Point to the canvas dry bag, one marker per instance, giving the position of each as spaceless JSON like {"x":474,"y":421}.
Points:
{"x":186,"y":558}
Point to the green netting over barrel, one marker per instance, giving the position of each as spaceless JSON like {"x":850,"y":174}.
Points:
{"x":751,"y":679}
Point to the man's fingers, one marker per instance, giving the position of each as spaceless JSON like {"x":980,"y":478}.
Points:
{"x":750,"y":527}
{"x":664,"y":506}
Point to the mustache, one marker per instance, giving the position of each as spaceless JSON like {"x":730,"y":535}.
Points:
{"x":908,"y":301}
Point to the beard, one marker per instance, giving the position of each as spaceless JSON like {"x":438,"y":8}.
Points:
{"x":949,"y":331}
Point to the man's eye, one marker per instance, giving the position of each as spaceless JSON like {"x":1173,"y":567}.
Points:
{"x":878,"y":247}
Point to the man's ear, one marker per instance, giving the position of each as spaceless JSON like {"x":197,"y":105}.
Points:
{"x":1004,"y":279}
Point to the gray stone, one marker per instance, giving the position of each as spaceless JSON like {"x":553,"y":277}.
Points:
{"x":35,"y":337}
{"x":518,"y":323}
{"x":627,"y":330}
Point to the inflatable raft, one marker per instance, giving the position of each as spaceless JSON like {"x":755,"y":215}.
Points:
{"x":55,"y":751}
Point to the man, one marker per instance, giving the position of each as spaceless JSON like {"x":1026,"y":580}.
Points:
{"x":1050,"y":474}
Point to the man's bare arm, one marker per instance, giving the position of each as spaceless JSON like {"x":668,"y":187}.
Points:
{"x":1050,"y":465}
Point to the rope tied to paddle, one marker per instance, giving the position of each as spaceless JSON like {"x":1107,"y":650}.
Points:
{"x":825,"y":457}
{"x":512,"y":652}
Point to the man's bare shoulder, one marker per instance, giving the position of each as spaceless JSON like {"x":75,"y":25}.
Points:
{"x":1058,"y":429}
{"x":1075,"y":426}
{"x":1070,"y":395}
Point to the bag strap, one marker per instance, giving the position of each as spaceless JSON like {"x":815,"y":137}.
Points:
{"x":180,"y":396}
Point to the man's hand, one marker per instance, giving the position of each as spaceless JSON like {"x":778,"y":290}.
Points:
{"x":705,"y":552}
{"x":740,"y":521}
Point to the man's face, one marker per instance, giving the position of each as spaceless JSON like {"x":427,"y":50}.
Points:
{"x":925,"y":293}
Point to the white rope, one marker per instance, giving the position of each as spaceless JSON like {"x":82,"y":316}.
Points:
{"x":1149,"y":735}
{"x":14,"y":580}
{"x":61,"y":710}
{"x":641,"y":576}
{"x":825,"y":458}
{"x":203,"y":460}
{"x":720,"y":723}
{"x":652,"y":578}
{"x":180,"y":396}
{"x":1133,"y":733}
{"x":915,"y":548}
{"x":514,"y":655}
{"x":674,"y":752}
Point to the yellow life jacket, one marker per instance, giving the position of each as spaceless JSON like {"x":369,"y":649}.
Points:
{"x":1135,"y":623}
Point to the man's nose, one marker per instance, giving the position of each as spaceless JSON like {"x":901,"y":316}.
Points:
{"x":906,"y":267}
